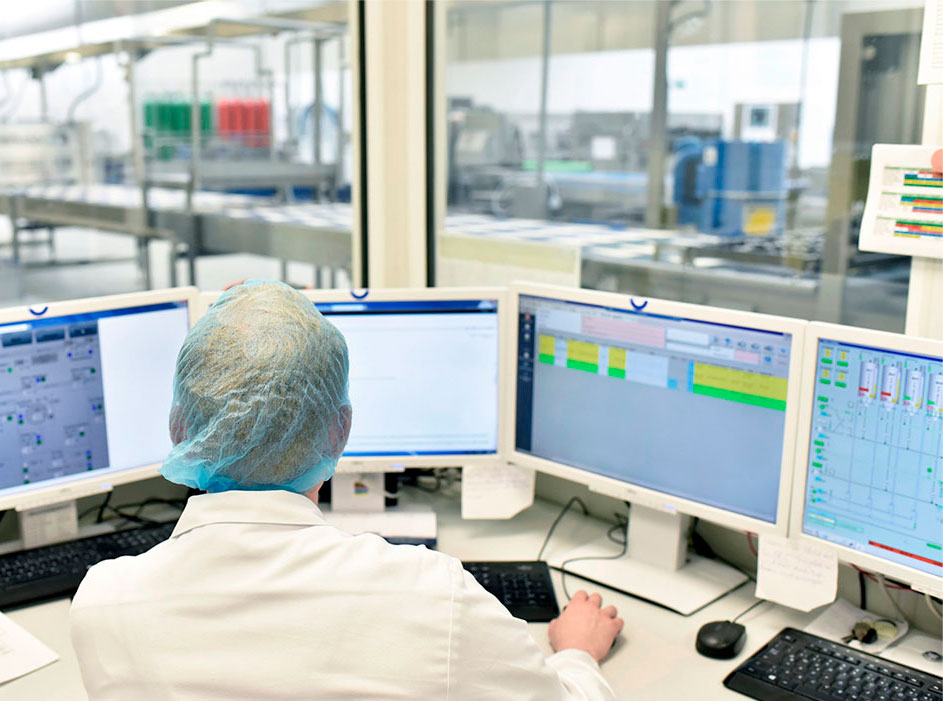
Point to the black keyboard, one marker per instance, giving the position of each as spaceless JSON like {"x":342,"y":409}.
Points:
{"x":797,"y":665}
{"x":525,"y":588}
{"x":56,"y":570}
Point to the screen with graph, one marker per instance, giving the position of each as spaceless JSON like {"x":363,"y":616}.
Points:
{"x":685,"y":407}
{"x":423,"y":375}
{"x":875,"y":464}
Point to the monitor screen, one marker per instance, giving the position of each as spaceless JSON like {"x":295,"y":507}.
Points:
{"x":423,"y":376}
{"x":685,"y":407}
{"x":875,"y":462}
{"x":86,"y":393}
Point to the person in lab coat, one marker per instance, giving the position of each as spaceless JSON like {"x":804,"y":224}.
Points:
{"x":254,"y":596}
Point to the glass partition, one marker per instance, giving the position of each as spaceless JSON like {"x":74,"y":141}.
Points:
{"x":710,"y":152}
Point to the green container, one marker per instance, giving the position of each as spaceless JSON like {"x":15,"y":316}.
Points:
{"x":206,"y":117}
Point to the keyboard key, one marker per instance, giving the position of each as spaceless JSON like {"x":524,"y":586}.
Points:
{"x":811,"y":668}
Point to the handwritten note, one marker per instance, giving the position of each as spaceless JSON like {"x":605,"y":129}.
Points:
{"x":496,"y":491}
{"x":797,"y":574}
{"x":20,"y":652}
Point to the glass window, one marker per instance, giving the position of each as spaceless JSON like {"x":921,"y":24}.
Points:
{"x":222,"y":159}
{"x":710,"y":152}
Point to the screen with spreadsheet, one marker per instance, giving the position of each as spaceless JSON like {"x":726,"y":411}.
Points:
{"x":86,"y":393}
{"x":685,"y":407}
{"x":423,"y":375}
{"x":875,"y":462}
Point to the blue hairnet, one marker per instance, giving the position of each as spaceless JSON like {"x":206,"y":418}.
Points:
{"x":260,"y":394}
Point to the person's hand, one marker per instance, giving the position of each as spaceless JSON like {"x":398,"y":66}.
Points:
{"x":584,"y":625}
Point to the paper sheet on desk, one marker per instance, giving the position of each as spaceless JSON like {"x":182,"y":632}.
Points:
{"x":20,"y":652}
{"x":794,"y":573}
{"x":496,"y":491}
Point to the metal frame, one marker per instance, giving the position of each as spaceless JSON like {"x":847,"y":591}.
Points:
{"x":837,"y":251}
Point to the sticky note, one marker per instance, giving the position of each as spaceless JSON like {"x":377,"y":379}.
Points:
{"x":796,"y":573}
{"x":496,"y":491}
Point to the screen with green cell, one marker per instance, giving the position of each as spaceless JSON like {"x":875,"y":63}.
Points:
{"x":686,"y":407}
{"x":875,"y":464}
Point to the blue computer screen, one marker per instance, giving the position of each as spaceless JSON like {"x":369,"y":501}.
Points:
{"x":86,"y":393}
{"x":875,"y":462}
{"x":423,"y":376}
{"x":685,"y":407}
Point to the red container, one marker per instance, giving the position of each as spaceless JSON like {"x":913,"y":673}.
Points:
{"x":224,"y":113}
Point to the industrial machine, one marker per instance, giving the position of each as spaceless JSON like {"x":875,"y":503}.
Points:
{"x":731,"y":188}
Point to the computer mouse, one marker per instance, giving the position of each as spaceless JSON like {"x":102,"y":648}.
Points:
{"x":721,"y":639}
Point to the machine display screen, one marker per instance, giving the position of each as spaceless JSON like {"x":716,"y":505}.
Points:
{"x":86,"y":393}
{"x":875,"y":462}
{"x":684,"y":407}
{"x":423,"y":376}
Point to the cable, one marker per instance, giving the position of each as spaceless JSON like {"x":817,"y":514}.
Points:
{"x":887,"y":593}
{"x":862,"y":592}
{"x":103,"y":506}
{"x":563,"y":572}
{"x":874,"y":579}
{"x":621,"y":523}
{"x":704,"y":549}
{"x":929,"y":600}
{"x":749,"y":608}
{"x":750,"y":543}
{"x":556,"y":521}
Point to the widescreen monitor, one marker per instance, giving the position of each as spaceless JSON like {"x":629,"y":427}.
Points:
{"x":85,"y":393}
{"x":869,"y":463}
{"x":672,"y":405}
{"x":425,"y":374}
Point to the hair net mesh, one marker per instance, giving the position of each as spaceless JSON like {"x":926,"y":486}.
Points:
{"x":260,"y":394}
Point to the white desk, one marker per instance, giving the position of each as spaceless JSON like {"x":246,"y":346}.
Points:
{"x":654,"y":658}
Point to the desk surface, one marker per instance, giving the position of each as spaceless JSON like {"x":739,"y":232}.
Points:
{"x":653,"y":659}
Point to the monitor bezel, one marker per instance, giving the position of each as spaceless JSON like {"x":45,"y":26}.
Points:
{"x":922,"y":581}
{"x":94,"y":483}
{"x":394,"y":462}
{"x":643,"y":495}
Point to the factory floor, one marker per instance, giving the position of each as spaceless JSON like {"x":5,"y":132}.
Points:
{"x":115,"y":269}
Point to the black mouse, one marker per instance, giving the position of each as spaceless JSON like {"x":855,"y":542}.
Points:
{"x":721,"y":639}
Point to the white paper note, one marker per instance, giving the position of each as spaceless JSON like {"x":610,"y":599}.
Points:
{"x":904,"y":211}
{"x":20,"y":652}
{"x":496,"y":491}
{"x":931,"y":44}
{"x":794,"y":573}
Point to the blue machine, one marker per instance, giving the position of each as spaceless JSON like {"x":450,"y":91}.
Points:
{"x":731,"y":188}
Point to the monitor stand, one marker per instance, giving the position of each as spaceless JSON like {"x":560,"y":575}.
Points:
{"x":358,"y":506}
{"x":656,"y":566}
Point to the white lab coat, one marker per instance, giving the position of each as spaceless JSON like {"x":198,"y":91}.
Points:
{"x":255,"y":596}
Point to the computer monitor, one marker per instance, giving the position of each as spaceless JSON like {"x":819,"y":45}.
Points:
{"x":85,"y":393}
{"x":676,"y":408}
{"x":869,"y":462}
{"x":425,"y":372}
